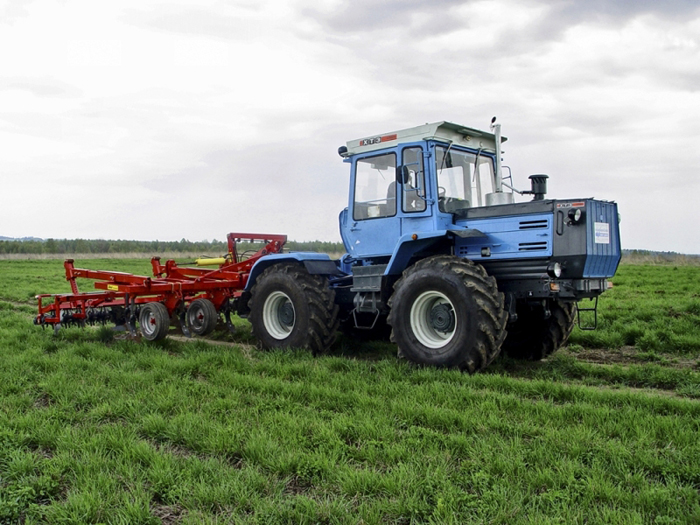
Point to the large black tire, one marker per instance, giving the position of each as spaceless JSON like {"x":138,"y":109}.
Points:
{"x":154,"y":321}
{"x":448,"y":312}
{"x":201,"y":317}
{"x":290,"y":308}
{"x":533,"y":337}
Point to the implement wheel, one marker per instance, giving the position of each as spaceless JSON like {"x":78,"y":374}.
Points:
{"x":154,"y":321}
{"x":291,"y":308}
{"x":201,"y":317}
{"x":533,"y":337}
{"x":446,"y":311}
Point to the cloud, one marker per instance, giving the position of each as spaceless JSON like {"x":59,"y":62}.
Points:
{"x":12,"y":10}
{"x":222,"y":20}
{"x":41,"y":87}
{"x":568,"y":12}
{"x":189,"y":119}
{"x":365,"y":17}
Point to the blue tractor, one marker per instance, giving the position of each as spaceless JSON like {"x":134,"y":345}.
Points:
{"x":441,"y":256}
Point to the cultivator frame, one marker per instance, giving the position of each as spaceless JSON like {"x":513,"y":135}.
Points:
{"x":193,"y":296}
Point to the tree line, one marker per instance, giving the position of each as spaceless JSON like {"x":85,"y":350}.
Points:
{"x":214,"y":247}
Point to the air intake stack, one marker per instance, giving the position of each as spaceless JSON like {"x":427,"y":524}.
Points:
{"x":538,"y":186}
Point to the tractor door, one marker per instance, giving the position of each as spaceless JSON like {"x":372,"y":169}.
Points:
{"x":415,"y":207}
{"x":372,"y":226}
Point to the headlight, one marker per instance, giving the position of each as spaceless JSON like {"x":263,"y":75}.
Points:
{"x":554,"y":270}
{"x":575,"y":214}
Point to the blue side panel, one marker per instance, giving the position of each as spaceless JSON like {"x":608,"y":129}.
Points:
{"x":512,"y":237}
{"x":602,"y":239}
{"x":264,"y":262}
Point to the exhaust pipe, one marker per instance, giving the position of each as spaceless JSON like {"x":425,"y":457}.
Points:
{"x":499,"y":175}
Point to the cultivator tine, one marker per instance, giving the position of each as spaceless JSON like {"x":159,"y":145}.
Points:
{"x":183,"y":322}
{"x":227,"y":317}
{"x":98,"y":316}
{"x":71,"y":318}
{"x":131,"y":325}
{"x":130,"y":315}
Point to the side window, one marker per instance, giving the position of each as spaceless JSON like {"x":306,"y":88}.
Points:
{"x":375,"y":187}
{"x":413,"y":194}
{"x":482,"y":180}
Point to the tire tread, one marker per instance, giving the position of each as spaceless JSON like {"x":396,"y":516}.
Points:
{"x":323,"y":312}
{"x":492,"y":317}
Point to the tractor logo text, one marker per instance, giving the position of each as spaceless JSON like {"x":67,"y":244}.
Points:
{"x":377,"y":140}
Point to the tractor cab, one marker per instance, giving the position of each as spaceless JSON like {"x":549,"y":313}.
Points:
{"x":417,"y":180}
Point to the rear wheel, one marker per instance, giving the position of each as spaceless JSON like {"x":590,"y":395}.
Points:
{"x":154,"y":321}
{"x":535,"y":337}
{"x":446,"y":311}
{"x":291,"y":308}
{"x":201,"y":317}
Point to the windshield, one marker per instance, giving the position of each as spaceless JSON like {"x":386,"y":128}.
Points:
{"x":464,"y":179}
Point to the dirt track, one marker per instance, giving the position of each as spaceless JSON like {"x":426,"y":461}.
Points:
{"x":629,"y":355}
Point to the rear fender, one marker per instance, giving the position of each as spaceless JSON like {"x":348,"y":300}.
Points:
{"x":408,"y":246}
{"x":315,"y":263}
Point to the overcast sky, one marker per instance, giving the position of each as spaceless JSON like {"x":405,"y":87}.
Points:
{"x":189,"y":119}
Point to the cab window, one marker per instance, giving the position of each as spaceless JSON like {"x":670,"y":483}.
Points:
{"x":464,"y":179}
{"x":375,"y":187}
{"x":413,"y":194}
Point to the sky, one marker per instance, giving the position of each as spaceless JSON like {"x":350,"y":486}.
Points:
{"x":191,"y":119}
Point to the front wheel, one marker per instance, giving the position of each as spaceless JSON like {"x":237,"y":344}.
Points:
{"x":447,"y":311}
{"x":290,"y":308}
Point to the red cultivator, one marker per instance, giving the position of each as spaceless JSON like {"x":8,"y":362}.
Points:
{"x":193,"y":296}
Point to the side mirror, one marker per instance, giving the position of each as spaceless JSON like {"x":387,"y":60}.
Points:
{"x":402,"y":174}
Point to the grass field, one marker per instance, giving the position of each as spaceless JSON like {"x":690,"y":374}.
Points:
{"x":99,"y":429}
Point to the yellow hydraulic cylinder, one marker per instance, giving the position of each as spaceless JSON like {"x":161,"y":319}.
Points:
{"x":210,"y":261}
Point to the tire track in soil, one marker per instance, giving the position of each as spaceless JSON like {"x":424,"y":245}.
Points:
{"x":629,"y":355}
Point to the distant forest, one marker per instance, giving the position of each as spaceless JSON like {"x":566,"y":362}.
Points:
{"x":215,"y":248}
{"x":97,"y":246}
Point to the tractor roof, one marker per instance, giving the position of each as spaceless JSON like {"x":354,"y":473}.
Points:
{"x":441,"y":131}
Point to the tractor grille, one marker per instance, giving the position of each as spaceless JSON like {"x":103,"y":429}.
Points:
{"x":532,"y":246}
{"x":603,"y":251}
{"x":534,"y":225}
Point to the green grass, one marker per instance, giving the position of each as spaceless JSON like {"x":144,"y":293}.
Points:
{"x":97,"y":429}
{"x":655,"y":308}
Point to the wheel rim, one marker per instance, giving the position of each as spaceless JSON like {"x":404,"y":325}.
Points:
{"x":148,"y":322}
{"x":195,"y":317}
{"x":279,"y":315}
{"x":433,"y":319}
